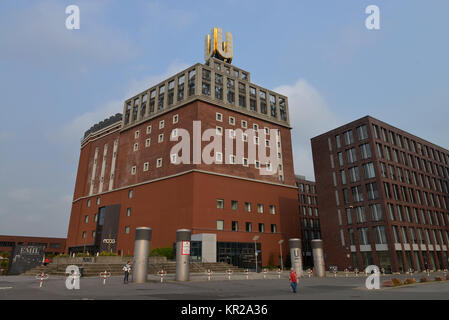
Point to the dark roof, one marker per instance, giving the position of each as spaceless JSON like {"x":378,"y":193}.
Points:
{"x":103,"y":124}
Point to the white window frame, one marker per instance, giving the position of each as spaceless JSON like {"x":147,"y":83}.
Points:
{"x":136,"y":146}
{"x":146,"y":166}
{"x":160,"y":138}
{"x":147,"y":142}
{"x":175,"y":118}
{"x":133,"y":170}
{"x":161,"y":124}
{"x":244,"y":124}
{"x":218,"y":131}
{"x":159,"y":163}
{"x":149,"y":129}
{"x":136,"y":134}
{"x":232,"y":121}
{"x":218,"y":116}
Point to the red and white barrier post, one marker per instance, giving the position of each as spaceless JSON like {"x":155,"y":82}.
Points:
{"x":41,"y":277}
{"x":105,"y":275}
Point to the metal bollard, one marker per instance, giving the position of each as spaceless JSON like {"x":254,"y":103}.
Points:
{"x":346,"y":272}
{"x":208,"y":274}
{"x":279,"y":273}
{"x":42,"y":277}
{"x":247,"y":273}
{"x":356,"y":271}
{"x":105,"y":275}
{"x":229,"y":274}
{"x":183,"y":237}
{"x":162,"y":273}
{"x":265,"y":271}
{"x":141,"y":252}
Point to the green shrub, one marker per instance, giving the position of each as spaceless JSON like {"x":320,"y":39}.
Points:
{"x":397,"y":282}
{"x":5,"y":254}
{"x":162,"y":252}
{"x":107,"y":254}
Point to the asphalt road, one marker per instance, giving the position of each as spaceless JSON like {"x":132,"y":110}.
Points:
{"x":219,"y":287}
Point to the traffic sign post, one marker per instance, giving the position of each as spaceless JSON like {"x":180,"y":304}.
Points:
{"x":162,"y":273}
{"x":229,"y":274}
{"x":105,"y":275}
{"x":209,"y":272}
{"x":42,"y":277}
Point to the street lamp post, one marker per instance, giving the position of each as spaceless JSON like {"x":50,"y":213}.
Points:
{"x":255,"y":248}
{"x":280,"y":249}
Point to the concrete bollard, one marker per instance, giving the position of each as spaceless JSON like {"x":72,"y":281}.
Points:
{"x":318,"y":257}
{"x":295,"y":255}
{"x":41,"y":277}
{"x":183,"y":237}
{"x":141,"y":253}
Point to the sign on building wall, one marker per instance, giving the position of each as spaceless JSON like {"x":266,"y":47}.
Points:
{"x":185,"y":248}
{"x":24,"y":258}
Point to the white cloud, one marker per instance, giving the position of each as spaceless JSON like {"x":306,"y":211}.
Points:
{"x":37,"y":35}
{"x":74,"y":130}
{"x":20,"y":195}
{"x":309,"y":116}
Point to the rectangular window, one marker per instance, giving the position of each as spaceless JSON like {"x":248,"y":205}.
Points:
{"x":248,"y":227}
{"x":273,"y":228}
{"x":220,"y":203}
{"x":235,"y":226}
{"x":220,"y":224}
{"x":247,"y":206}
{"x":234,"y":204}
{"x":260,"y":208}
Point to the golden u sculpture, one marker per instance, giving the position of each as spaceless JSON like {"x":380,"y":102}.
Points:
{"x":216,"y":48}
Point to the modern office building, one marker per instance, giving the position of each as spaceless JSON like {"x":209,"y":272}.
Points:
{"x":130,"y":173}
{"x":383,"y":196}
{"x":309,"y":216}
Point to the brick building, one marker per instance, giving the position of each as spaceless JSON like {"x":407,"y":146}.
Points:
{"x":128,"y":174}
{"x":383,"y":196}
{"x":52,"y":245}
{"x":309,"y":216}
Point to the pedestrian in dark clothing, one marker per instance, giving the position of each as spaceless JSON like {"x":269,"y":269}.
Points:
{"x":127,"y":269}
{"x":293,"y":278}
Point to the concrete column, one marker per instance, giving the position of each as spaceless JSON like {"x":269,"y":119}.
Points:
{"x":183,"y":254}
{"x":141,"y":253}
{"x":318,"y":257}
{"x":296,"y":256}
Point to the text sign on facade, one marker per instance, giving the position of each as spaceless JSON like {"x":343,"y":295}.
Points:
{"x":185,"y":248}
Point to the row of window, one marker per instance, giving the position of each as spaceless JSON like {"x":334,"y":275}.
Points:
{"x":247,"y":206}
{"x":399,"y":193}
{"x":248,"y":227}
{"x":311,"y":223}
{"x":175,"y":120}
{"x":396,"y":139}
{"x":309,"y":210}
{"x":405,"y":235}
{"x":267,"y":102}
{"x":156,"y":103}
{"x":307,"y":188}
{"x":348,"y":136}
{"x":414,"y":162}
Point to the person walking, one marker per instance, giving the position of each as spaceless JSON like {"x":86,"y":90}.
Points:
{"x":127,"y":269}
{"x":293,"y":278}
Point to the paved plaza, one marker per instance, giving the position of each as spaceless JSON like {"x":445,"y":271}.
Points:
{"x":220,"y":287}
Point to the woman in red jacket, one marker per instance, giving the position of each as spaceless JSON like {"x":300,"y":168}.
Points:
{"x":293,"y":279}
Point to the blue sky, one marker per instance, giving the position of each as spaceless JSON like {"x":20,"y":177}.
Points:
{"x":55,"y":83}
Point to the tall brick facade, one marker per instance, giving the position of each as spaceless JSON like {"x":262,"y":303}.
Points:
{"x":383,"y":196}
{"x":129,"y":163}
